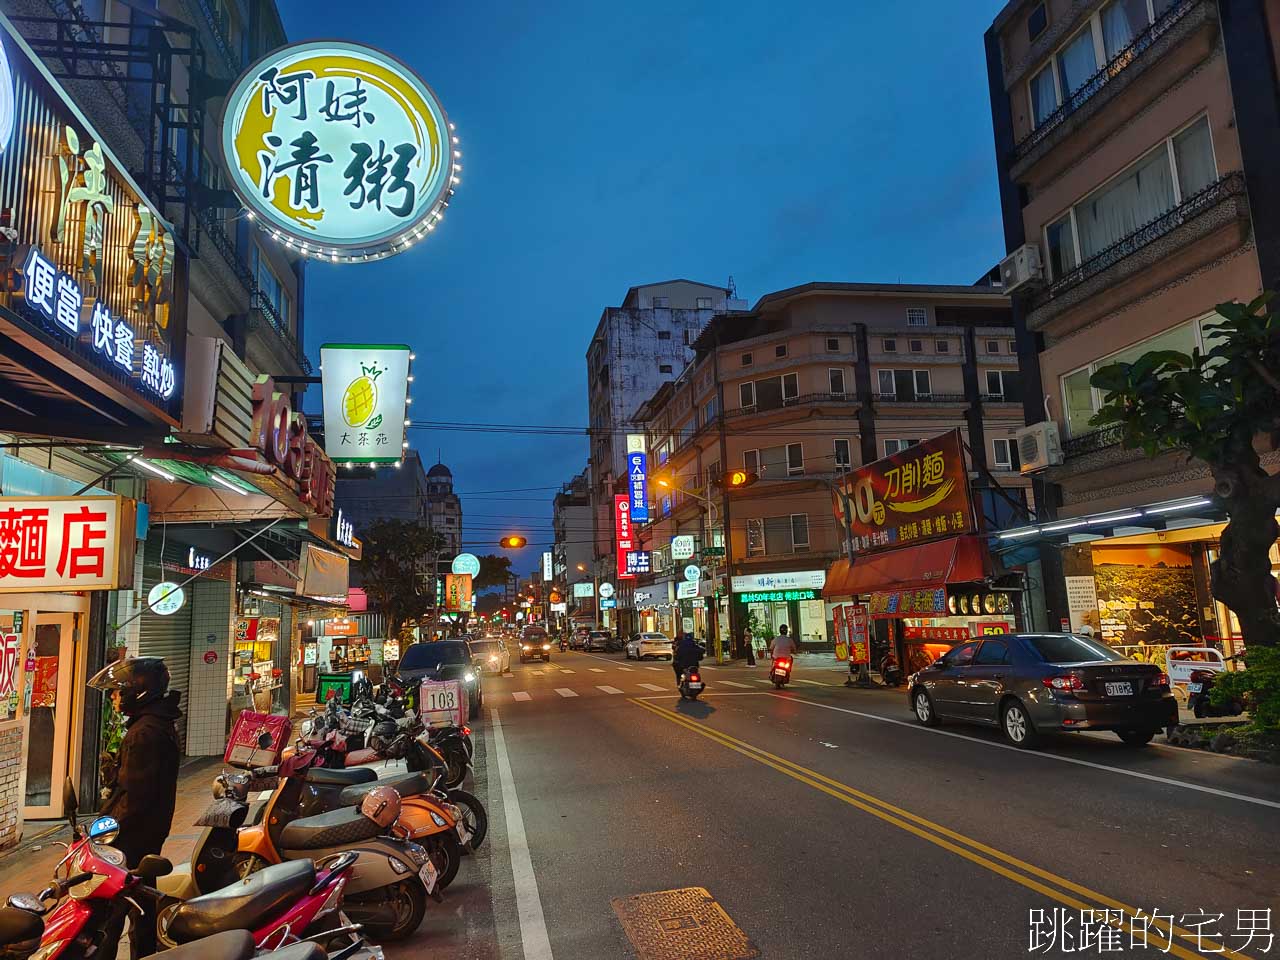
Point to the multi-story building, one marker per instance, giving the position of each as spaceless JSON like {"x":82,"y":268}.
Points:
{"x":1136,"y":144}
{"x":444,"y":507}
{"x":411,"y":493}
{"x":636,"y":347}
{"x":814,"y":382}
{"x":571,"y":551}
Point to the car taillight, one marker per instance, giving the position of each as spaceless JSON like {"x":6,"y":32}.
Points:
{"x":1161,"y":679}
{"x":1065,"y":682}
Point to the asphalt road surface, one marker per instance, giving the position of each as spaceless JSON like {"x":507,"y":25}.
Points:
{"x":823,"y":822}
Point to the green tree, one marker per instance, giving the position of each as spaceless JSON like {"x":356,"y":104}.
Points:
{"x":495,"y":571}
{"x":1218,"y":406}
{"x":398,"y":564}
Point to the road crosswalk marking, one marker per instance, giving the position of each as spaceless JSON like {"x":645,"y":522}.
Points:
{"x":627,"y":669}
{"x":658,"y":669}
{"x":520,"y":695}
{"x":596,"y":670}
{"x":539,"y":673}
{"x":609,"y":689}
{"x":565,"y":692}
{"x":653,"y":686}
{"x":567,"y":670}
{"x":735,"y":683}
{"x":508,"y":675}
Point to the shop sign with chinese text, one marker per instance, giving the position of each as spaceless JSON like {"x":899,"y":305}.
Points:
{"x":777,"y":596}
{"x":623,"y":541}
{"x":365,"y":387}
{"x":89,"y":263}
{"x":65,"y":543}
{"x":457,"y":592}
{"x":945,"y":634}
{"x":909,"y":603}
{"x":796,"y":580}
{"x":857,"y":627}
{"x":639,"y":561}
{"x":682,"y":547}
{"x":916,"y":495}
{"x":340,"y":149}
{"x":280,"y":435}
{"x":638,"y":490}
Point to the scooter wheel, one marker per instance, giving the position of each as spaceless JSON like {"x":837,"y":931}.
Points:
{"x":446,"y":851}
{"x":247,"y":864}
{"x":477,"y":818}
{"x":406,"y":902}
{"x":777,"y":684}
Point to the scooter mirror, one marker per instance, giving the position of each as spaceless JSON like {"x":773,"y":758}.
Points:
{"x":26,"y":902}
{"x":152,"y":866}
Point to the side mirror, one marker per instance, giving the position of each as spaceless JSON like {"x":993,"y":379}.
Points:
{"x":152,"y":867}
{"x":104,"y":830}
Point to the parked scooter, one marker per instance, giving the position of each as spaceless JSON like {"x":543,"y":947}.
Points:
{"x":890,"y":672}
{"x":1200,"y":686}
{"x":21,"y":929}
{"x":691,"y":684}
{"x":780,"y":672}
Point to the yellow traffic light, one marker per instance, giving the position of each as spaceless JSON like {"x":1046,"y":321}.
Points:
{"x":512,"y":543}
{"x":740,"y":478}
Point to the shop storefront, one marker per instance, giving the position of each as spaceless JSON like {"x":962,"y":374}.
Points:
{"x":789,"y":598}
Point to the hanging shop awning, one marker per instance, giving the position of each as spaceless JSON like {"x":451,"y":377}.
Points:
{"x":925,"y":565}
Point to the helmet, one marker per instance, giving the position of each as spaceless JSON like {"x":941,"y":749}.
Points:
{"x":381,"y":805}
{"x":139,"y":680}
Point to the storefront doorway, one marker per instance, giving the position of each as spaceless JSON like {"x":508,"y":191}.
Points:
{"x":55,"y":704}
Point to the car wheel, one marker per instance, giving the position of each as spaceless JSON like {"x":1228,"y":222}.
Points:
{"x":923,"y":704}
{"x":1016,"y":724}
{"x":1135,"y":738}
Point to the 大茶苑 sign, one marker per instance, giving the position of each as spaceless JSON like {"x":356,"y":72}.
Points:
{"x":918,"y":494}
{"x":682,"y":547}
{"x":622,"y":533}
{"x":797,"y":580}
{"x":90,"y":263}
{"x":638,"y":490}
{"x":467,"y":563}
{"x":166,"y":598}
{"x":339,"y":148}
{"x":365,"y":388}
{"x":65,"y":543}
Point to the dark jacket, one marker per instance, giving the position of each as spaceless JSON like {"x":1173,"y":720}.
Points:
{"x":687,"y":652}
{"x":147,"y":783}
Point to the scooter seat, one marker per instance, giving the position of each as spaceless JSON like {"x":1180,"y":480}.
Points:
{"x":245,"y":904}
{"x":332,"y":829}
{"x":346,"y":777}
{"x":299,"y":951}
{"x":363,"y":755}
{"x":20,"y":932}
{"x":406,"y":784}
{"x":228,"y":945}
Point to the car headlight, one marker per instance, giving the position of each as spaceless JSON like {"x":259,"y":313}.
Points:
{"x":469,"y":677}
{"x":546,"y":646}
{"x":524,"y":647}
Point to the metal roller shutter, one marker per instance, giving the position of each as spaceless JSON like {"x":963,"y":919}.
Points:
{"x":168,"y":637}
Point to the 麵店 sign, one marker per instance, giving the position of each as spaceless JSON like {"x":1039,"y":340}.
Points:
{"x":365,"y":388}
{"x":89,"y":263}
{"x":66,"y":543}
{"x":799,"y":580}
{"x":340,"y":149}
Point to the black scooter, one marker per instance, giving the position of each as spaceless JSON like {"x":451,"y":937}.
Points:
{"x":1199,"y":686}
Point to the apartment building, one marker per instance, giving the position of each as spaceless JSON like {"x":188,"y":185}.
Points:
{"x":814,"y":382}
{"x":1136,"y":143}
{"x":571,"y":551}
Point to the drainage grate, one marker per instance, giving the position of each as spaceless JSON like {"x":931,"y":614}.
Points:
{"x":685,"y":924}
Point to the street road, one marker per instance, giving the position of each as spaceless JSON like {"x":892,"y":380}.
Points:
{"x":825,"y":823}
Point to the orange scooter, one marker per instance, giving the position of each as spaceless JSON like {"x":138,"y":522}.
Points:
{"x":309,"y":808}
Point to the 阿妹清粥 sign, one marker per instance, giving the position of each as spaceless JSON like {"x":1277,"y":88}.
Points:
{"x":342,"y":150}
{"x":365,"y":388}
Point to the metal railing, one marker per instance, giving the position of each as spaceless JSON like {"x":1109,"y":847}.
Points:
{"x":219,"y":26}
{"x":1092,"y":442}
{"x":921,"y":398}
{"x":1229,"y":185}
{"x":1110,"y":70}
{"x":800,"y":401}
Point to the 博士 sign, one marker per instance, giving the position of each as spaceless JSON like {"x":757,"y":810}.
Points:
{"x":66,"y":543}
{"x":365,"y":388}
{"x":340,"y":149}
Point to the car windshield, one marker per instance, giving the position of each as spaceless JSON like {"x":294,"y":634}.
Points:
{"x":480,"y":647}
{"x":599,"y":633}
{"x":1070,"y":648}
{"x":534,"y":633}
{"x":428,"y":656}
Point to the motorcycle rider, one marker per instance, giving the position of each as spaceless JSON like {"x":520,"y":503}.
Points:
{"x":783,"y":645}
{"x":688,"y":653}
{"x":146,"y":785}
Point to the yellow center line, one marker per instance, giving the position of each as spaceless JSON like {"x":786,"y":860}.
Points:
{"x":986,"y":856}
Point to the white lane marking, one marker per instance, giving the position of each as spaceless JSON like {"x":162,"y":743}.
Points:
{"x":567,"y":670}
{"x":520,"y":695}
{"x":609,"y":689}
{"x":659,"y":669}
{"x":653,"y":686}
{"x":533,"y":927}
{"x":758,"y":680}
{"x":539,"y":673}
{"x":816,"y":683}
{"x":596,"y":670}
{"x":508,"y":675}
{"x":1168,"y":781}
{"x":735,"y":683}
{"x":627,"y":669}
{"x":565,"y":692}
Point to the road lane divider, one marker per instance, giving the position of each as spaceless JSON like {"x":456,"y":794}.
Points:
{"x":1028,"y":875}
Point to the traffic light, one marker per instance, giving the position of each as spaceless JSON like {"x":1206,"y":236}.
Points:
{"x":739,"y":478}
{"x":512,"y":543}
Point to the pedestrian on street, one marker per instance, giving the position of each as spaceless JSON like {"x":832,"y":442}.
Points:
{"x":783,"y":645}
{"x":749,"y":641}
{"x":146,"y":786}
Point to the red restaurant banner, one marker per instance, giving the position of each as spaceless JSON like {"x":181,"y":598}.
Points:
{"x":837,"y":625}
{"x":916,"y":495}
{"x":856,"y":624}
{"x":622,"y":533}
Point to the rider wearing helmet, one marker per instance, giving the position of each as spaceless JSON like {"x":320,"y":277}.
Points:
{"x":146,"y":786}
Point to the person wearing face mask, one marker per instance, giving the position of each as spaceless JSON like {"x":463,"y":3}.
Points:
{"x":146,"y":784}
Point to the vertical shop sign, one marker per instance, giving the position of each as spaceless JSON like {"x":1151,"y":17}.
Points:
{"x":637,"y":486}
{"x":838,"y":627}
{"x":856,"y":623}
{"x":622,"y":533}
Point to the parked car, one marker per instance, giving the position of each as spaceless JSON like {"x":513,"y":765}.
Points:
{"x":1032,"y":684}
{"x":578,"y":639}
{"x":535,"y":645}
{"x":600,"y":640}
{"x":642,"y":646}
{"x":491,"y":655}
{"x":442,"y":660}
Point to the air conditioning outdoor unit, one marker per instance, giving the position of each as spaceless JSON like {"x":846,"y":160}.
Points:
{"x":1039,"y":446}
{"x":1022,"y":268}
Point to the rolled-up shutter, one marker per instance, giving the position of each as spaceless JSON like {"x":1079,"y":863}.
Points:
{"x":168,"y":637}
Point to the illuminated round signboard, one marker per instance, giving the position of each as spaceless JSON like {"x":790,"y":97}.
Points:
{"x":466,"y":564}
{"x":7,"y":115}
{"x":341,"y":151}
{"x":166,"y":598}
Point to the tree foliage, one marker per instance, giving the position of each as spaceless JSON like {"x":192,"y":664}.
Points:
{"x":398,"y":565}
{"x":495,"y":571}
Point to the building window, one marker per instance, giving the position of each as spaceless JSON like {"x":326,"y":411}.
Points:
{"x":664,"y":334}
{"x":917,"y":317}
{"x":1006,"y":453}
{"x":769,"y":393}
{"x":746,"y":395}
{"x":273,"y":291}
{"x":755,"y":538}
{"x":661,"y":302}
{"x":1013,"y":347}
{"x":795,"y":459}
{"x":710,"y":410}
{"x":896,"y":446}
{"x":790,"y":386}
{"x":836,"y":378}
{"x":842,"y":456}
{"x":751,"y":461}
{"x":664,"y":368}
{"x":1179,"y":167}
{"x":904,"y":384}
{"x":833,"y":344}
{"x":704,"y":303}
{"x":915,"y":346}
{"x":713,"y":473}
{"x":942,"y":346}
{"x":1004,"y":385}
{"x":780,"y":351}
{"x":746,"y":359}
{"x":889,"y":346}
{"x":1037,"y":21}
{"x":664,"y":454}
{"x":993,"y":346}
{"x":799,"y":530}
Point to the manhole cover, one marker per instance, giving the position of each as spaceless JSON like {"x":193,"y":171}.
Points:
{"x":685,"y":924}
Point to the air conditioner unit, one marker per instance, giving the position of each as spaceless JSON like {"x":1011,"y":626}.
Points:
{"x":1022,"y":268}
{"x":1039,"y":446}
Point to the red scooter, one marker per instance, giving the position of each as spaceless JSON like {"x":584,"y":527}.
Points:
{"x":92,"y":893}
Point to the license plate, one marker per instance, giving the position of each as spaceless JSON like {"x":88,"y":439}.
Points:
{"x":695,"y":686}
{"x":429,"y":875}
{"x":1194,"y":687}
{"x":464,"y":835}
{"x":1122,"y":688}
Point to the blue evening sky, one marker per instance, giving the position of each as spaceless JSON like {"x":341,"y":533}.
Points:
{"x":610,"y":144}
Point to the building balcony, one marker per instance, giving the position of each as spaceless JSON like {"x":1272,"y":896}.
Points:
{"x":1156,"y":59}
{"x":1091,"y":442}
{"x":1201,"y":229}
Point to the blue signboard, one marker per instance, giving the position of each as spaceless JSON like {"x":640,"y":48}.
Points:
{"x":639,"y":561}
{"x":636,"y":484}
{"x":609,"y":604}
